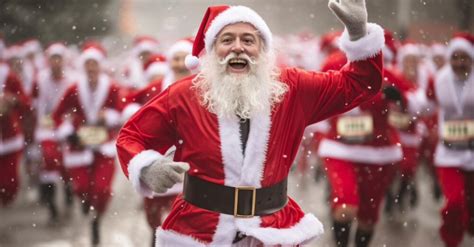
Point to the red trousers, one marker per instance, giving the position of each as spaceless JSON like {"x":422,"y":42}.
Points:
{"x":93,"y":183}
{"x":154,"y":208}
{"x":52,"y":158}
{"x":458,"y":212}
{"x":409,"y":163}
{"x":9,"y":178}
{"x":360,"y":185}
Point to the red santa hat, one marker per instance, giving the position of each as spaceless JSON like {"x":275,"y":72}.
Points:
{"x":184,"y":45}
{"x":56,"y":48}
{"x":330,"y":40}
{"x":409,"y":48}
{"x":92,"y":50}
{"x":156,"y":64}
{"x":144,"y":43}
{"x":461,"y":41}
{"x":215,"y":19}
{"x":391,"y":45}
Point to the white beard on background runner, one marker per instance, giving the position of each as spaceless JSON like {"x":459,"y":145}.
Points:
{"x":228,"y":94}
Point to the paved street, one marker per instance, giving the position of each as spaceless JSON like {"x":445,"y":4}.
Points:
{"x":25,"y":223}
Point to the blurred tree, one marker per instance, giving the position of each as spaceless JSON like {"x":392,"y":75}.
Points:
{"x":465,"y":19}
{"x":49,"y":20}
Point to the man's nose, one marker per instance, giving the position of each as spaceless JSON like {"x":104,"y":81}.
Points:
{"x":238,"y":48}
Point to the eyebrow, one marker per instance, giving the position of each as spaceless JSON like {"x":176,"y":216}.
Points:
{"x":254,"y":34}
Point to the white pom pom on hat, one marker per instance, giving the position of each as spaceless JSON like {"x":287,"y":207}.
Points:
{"x":215,"y":19}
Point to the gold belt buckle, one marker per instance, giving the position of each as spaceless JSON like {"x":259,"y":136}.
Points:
{"x":236,"y":201}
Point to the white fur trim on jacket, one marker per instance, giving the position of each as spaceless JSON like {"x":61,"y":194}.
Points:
{"x":136,"y":164}
{"x":112,"y":117}
{"x":359,"y":153}
{"x":108,"y":149}
{"x":307,"y":229}
{"x":365,"y":47}
{"x":78,"y":158}
{"x":236,"y":14}
{"x":129,"y":111}
{"x":168,"y":238}
{"x":46,"y":177}
{"x":64,"y":130}
{"x":445,"y":157}
{"x":43,"y":134}
{"x":410,"y":140}
{"x":11,"y":145}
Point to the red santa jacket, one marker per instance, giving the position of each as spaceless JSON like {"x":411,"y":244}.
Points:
{"x":145,"y":94}
{"x":79,"y":107}
{"x":212,"y":146}
{"x":452,"y":107}
{"x":11,"y":125}
{"x":47,"y":94}
{"x":379,"y":145}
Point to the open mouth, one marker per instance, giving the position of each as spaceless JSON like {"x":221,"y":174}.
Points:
{"x":238,"y":64}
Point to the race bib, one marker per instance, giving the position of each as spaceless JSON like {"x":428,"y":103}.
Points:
{"x":355,"y":128}
{"x":92,"y":135}
{"x":47,"y":122}
{"x":399,"y":120}
{"x":458,"y":134}
{"x":458,"y":130}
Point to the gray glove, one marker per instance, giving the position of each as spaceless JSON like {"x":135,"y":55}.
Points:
{"x":163,"y":174}
{"x":353,"y":14}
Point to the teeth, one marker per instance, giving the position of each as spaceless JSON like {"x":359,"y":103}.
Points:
{"x":238,"y":61}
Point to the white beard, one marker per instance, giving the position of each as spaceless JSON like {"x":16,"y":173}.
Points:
{"x":244,"y":95}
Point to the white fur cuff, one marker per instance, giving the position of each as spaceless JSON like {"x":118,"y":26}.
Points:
{"x":136,"y":164}
{"x":368,"y":46}
{"x":112,"y":117}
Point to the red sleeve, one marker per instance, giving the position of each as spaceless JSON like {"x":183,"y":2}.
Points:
{"x":322,"y":95}
{"x":430,"y":90}
{"x":149,"y":129}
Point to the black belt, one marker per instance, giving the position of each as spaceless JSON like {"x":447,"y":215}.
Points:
{"x":243,"y":201}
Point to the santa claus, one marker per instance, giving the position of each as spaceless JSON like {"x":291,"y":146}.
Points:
{"x":52,"y":83}
{"x":452,"y":89}
{"x":14,"y":106}
{"x":237,"y":126}
{"x":88,"y":117}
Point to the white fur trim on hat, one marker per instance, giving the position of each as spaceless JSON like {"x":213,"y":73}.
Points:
{"x":408,"y":49}
{"x":460,"y":44}
{"x":191,"y":62}
{"x":56,"y":49}
{"x":156,"y":68}
{"x":180,"y":46}
{"x":368,"y":46}
{"x":93,"y":54}
{"x":438,"y":49}
{"x":145,"y":46}
{"x":236,"y":14}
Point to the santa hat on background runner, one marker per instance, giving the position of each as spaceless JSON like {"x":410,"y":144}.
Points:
{"x":438,"y":49}
{"x":92,"y":50}
{"x":31,"y":46}
{"x":391,"y":45}
{"x":215,"y":19}
{"x":156,"y":64}
{"x":144,"y":43}
{"x":461,"y":41}
{"x":56,"y":48}
{"x":409,"y":48}
{"x":329,"y":41}
{"x":13,"y":51}
{"x":183,"y":45}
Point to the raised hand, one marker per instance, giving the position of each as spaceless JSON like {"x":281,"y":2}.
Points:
{"x":353,"y":14}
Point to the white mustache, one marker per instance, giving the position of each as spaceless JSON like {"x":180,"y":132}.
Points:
{"x":241,"y":56}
